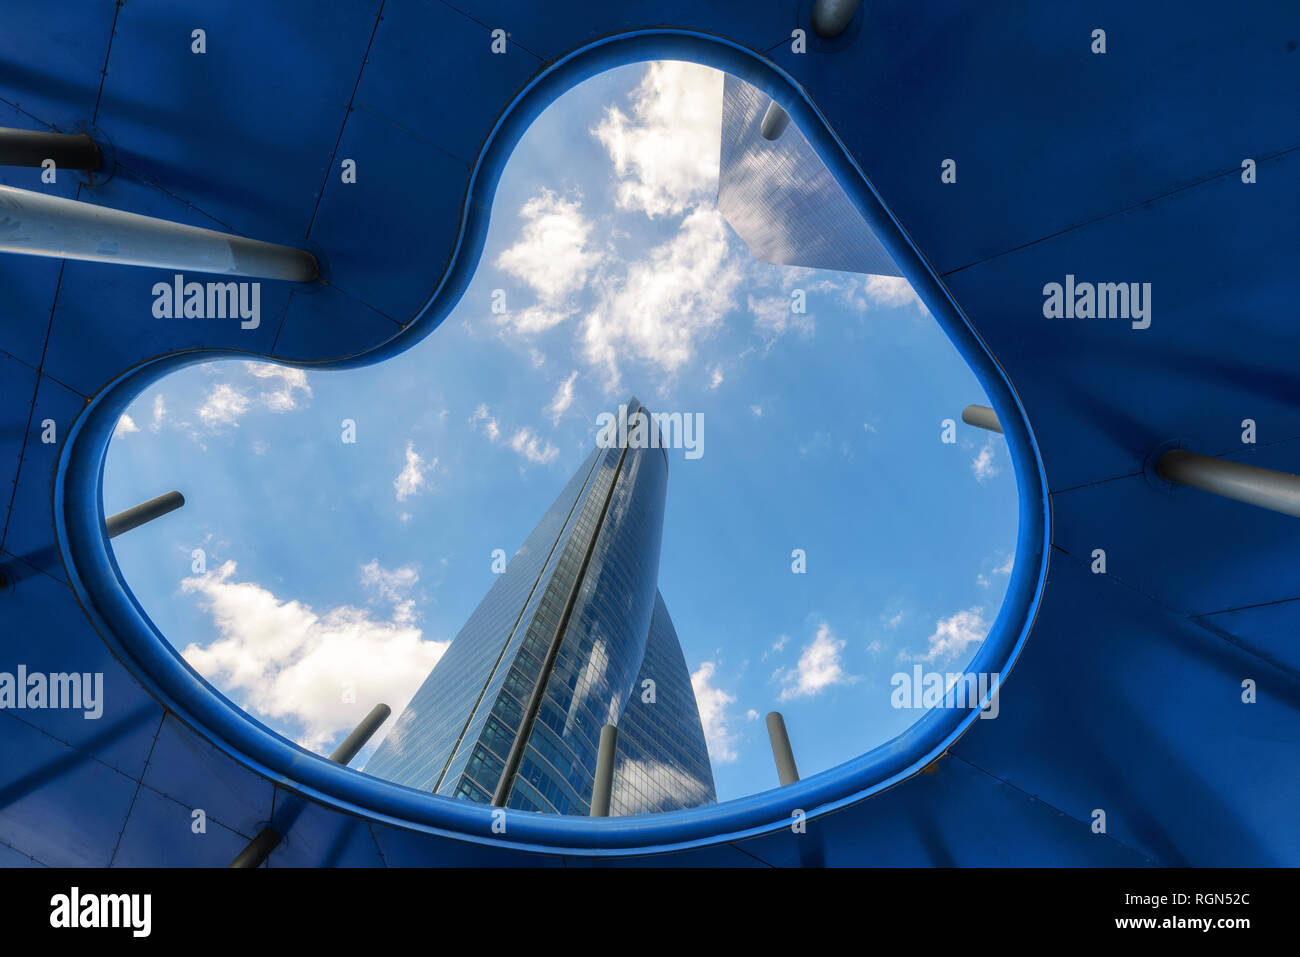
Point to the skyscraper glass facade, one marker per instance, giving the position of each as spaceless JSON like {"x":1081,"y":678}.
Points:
{"x":574,"y":635}
{"x":781,"y":199}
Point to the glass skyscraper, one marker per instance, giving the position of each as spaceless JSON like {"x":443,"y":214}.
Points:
{"x":781,"y":199}
{"x":572,"y":636}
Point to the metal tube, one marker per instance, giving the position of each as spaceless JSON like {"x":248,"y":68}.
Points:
{"x":138,"y":515}
{"x":831,"y":17}
{"x":785,"y":767}
{"x":33,"y":147}
{"x":982,"y":417}
{"x":258,"y":849}
{"x":268,"y":839}
{"x":775,"y":120}
{"x":1277,"y":491}
{"x":603,"y":790}
{"x":35,"y":224}
{"x":355,"y":741}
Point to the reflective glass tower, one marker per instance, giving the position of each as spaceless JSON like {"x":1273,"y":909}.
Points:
{"x":781,"y":199}
{"x":572,"y":636}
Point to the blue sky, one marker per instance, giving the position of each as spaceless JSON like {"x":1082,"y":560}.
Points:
{"x":333,"y":575}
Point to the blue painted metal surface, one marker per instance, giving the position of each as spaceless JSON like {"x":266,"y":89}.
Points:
{"x":1123,"y":166}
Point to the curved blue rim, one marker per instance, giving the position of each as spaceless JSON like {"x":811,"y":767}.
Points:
{"x":99,"y":585}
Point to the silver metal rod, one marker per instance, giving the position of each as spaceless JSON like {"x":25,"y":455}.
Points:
{"x":362,"y":733}
{"x":35,"y":224}
{"x":982,"y":417}
{"x":268,"y":839}
{"x":1277,"y":491}
{"x":781,"y":752}
{"x":138,"y":515}
{"x":603,"y":790}
{"x":831,"y":17}
{"x":775,"y":120}
{"x":33,"y":147}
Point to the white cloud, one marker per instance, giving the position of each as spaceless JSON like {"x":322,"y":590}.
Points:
{"x":528,"y":444}
{"x":713,"y":704}
{"x":893,"y":622}
{"x":284,"y":385}
{"x":819,"y":667}
{"x":982,"y":581}
{"x":125,"y":426}
{"x":413,"y":479}
{"x":1005,"y":567}
{"x":954,"y":635}
{"x":223,"y":406}
{"x":524,"y":441}
{"x":715,"y":376}
{"x":490,"y":427}
{"x":288,"y":663}
{"x":773,"y":318}
{"x":666,"y":304}
{"x":892,"y":291}
{"x":159,"y":413}
{"x":756,"y":411}
{"x":666,"y":153}
{"x":982,"y":465}
{"x":563,"y":398}
{"x":752,"y":715}
{"x":553,"y":257}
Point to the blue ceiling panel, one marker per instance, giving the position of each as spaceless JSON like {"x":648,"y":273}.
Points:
{"x":192,"y":772}
{"x":30,"y":533}
{"x":326,"y":322}
{"x":246,"y":130}
{"x":51,"y":61}
{"x":954,"y":815}
{"x":1163,"y":744}
{"x":549,"y":32}
{"x":392,"y":261}
{"x":1185,"y":548}
{"x":321,"y":838}
{"x":1268,"y":631}
{"x":17,"y":392}
{"x":44,"y":811}
{"x":1116,"y":392}
{"x":425,"y":94}
{"x":48,"y":637}
{"x":161,"y":833}
{"x":1051,"y":136}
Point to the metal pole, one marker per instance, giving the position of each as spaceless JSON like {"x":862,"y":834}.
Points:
{"x":35,"y":224}
{"x":258,"y":849}
{"x":830,"y":17}
{"x":982,"y":417}
{"x":268,"y":838}
{"x":775,"y":120}
{"x":138,"y":515}
{"x":603,"y":789}
{"x":355,"y":741}
{"x":32,"y":148}
{"x":1278,"y":491}
{"x":781,"y":751}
